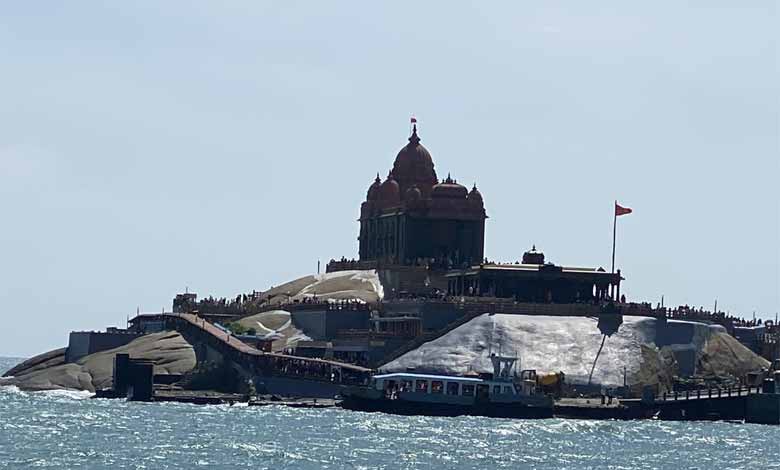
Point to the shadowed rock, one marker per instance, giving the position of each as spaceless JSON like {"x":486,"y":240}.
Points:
{"x":42,"y":361}
{"x":169,"y":351}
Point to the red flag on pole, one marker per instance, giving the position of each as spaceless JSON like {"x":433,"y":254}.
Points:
{"x":414,"y":119}
{"x":620,"y":210}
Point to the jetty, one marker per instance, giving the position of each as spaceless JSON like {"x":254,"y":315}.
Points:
{"x":749,"y":404}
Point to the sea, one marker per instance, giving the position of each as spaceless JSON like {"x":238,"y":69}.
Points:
{"x":66,"y":430}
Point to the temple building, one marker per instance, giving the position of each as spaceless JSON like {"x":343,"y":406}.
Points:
{"x":412,"y":218}
{"x":534,"y":280}
{"x":426,"y":237}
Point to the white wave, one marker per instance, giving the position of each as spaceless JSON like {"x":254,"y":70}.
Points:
{"x":72,"y":394}
{"x":68,"y":394}
{"x":11,"y":389}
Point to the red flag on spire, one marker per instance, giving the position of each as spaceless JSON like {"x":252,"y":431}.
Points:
{"x":620,"y":210}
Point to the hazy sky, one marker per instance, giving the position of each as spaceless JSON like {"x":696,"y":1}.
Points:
{"x":146,"y":146}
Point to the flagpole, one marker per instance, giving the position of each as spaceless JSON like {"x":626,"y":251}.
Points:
{"x":614,"y":235}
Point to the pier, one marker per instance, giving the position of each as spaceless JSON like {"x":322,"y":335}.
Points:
{"x":254,"y":364}
{"x":748,"y":404}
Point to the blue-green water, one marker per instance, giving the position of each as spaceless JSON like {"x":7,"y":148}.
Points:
{"x":67,"y":430}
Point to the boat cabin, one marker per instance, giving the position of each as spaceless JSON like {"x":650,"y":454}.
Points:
{"x":397,"y":383}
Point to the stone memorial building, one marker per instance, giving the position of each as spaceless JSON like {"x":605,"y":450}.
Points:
{"x":413,"y":218}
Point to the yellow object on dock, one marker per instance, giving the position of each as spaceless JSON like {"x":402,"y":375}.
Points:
{"x":549,"y":379}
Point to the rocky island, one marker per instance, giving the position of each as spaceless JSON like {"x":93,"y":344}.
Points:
{"x":422,"y":296}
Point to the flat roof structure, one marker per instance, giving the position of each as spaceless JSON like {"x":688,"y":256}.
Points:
{"x":534,"y":282}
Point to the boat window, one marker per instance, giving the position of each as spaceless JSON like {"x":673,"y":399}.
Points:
{"x":437,"y":386}
{"x":496,"y":389}
{"x":407,"y":386}
{"x":507,"y":389}
{"x":422,"y":386}
{"x":483,"y":390}
{"x":468,"y":390}
{"x":453,"y":388}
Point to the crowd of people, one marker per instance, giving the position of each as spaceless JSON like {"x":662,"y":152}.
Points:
{"x":243,"y":304}
{"x":443,"y":262}
{"x":312,"y":369}
{"x":728,"y":321}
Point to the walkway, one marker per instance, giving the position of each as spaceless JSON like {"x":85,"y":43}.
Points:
{"x":258,"y":362}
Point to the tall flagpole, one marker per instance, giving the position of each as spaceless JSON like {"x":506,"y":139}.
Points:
{"x":614,"y":236}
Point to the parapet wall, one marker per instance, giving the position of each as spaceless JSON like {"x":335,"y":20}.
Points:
{"x":84,"y":343}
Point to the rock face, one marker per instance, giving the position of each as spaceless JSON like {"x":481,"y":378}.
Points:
{"x":650,"y":353}
{"x":276,"y":325}
{"x":39,"y":362}
{"x":169,"y":351}
{"x":723,"y":354}
{"x":342,"y":285}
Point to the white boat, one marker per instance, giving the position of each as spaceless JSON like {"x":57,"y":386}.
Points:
{"x":503,"y":394}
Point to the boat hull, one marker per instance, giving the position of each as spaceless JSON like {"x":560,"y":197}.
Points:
{"x":519,"y":410}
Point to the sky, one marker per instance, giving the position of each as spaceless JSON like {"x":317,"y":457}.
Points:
{"x":147,"y":147}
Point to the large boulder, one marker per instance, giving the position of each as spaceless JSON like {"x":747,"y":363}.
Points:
{"x":39,"y":362}
{"x":169,"y":351}
{"x":646,"y":351}
{"x":276,"y":325}
{"x":361,"y":285}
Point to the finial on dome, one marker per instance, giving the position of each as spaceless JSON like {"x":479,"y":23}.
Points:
{"x":413,"y":138}
{"x":378,"y":179}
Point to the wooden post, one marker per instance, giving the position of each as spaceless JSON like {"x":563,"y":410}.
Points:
{"x":614,"y":235}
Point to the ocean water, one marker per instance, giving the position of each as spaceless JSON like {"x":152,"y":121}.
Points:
{"x":68,"y":430}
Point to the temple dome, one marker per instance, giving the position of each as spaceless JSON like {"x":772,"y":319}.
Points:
{"x":414,"y":166}
{"x":389,"y":192}
{"x":373,"y":190}
{"x":475,"y":197}
{"x":449,"y":188}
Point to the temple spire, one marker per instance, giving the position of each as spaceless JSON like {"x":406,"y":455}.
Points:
{"x":414,"y":139}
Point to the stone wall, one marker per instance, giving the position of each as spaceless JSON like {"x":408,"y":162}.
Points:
{"x":84,"y":343}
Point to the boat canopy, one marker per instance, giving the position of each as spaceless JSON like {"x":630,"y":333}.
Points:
{"x":411,"y":375}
